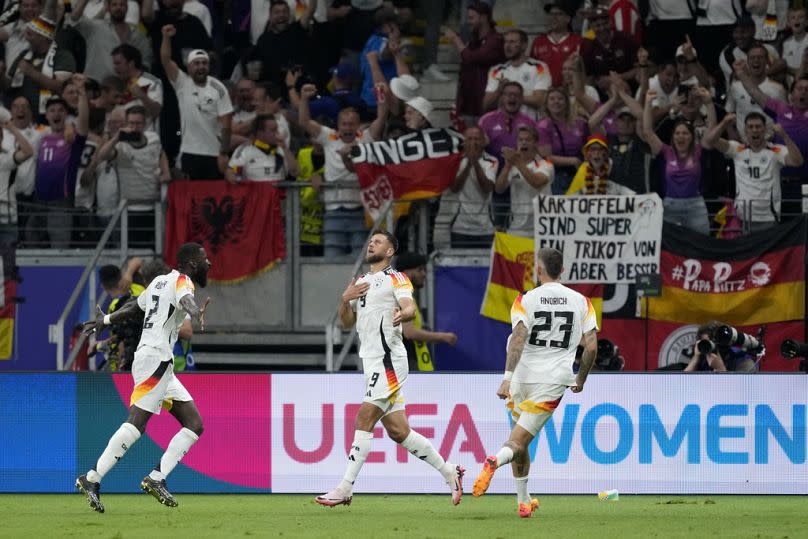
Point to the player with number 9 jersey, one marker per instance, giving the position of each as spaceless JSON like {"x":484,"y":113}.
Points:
{"x":556,"y":318}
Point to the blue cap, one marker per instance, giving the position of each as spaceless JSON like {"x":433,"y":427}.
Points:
{"x":344,"y":71}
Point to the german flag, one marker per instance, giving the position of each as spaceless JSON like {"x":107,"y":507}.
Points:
{"x":757,"y":279}
{"x":511,"y":274}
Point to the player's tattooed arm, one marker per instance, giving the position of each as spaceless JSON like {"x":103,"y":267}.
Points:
{"x":590,"y":343}
{"x":128,"y":310}
{"x":516,"y":344}
{"x":196,"y":312}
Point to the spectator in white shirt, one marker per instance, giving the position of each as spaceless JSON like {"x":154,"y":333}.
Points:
{"x":263,"y":159}
{"x":469,"y":197}
{"x":25,"y":179}
{"x":244,"y":115}
{"x":796,"y":45}
{"x":13,"y":34}
{"x":738,"y":99}
{"x":757,"y":168}
{"x":205,"y":112}
{"x":141,"y":88}
{"x":14,"y":150}
{"x":533,"y":75}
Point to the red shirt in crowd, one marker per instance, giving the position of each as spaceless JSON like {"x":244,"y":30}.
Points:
{"x":475,"y":60}
{"x":626,"y":18}
{"x":553,"y":53}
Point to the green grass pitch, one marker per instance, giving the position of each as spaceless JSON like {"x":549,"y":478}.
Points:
{"x":377,"y":516}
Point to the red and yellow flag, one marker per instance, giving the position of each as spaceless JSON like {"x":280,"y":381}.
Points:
{"x":512,"y":273}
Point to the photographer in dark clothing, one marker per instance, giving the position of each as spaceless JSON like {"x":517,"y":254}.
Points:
{"x":706,"y":355}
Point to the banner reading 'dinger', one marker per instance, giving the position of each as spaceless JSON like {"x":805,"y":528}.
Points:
{"x":605,"y":239}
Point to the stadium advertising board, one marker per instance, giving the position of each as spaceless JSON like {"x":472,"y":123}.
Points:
{"x":635,"y":433}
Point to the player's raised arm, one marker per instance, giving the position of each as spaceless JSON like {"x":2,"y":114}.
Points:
{"x":196,"y":312}
{"x":516,"y":344}
{"x":590,"y":344}
{"x":102,"y":320}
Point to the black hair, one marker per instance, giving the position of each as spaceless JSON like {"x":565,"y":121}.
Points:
{"x":390,"y":237}
{"x":188,"y":252}
{"x":522,"y":34}
{"x":408,"y":260}
{"x":553,"y":261}
{"x":130,"y":53}
{"x":154,"y":268}
{"x":515,"y":85}
{"x":754,"y":115}
{"x":97,"y":121}
{"x":270,"y":89}
{"x":258,"y":122}
{"x":109,"y":275}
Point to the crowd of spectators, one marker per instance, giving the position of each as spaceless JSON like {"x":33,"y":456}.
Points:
{"x":112,"y":99}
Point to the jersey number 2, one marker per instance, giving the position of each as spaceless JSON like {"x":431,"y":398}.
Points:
{"x":544,"y":322}
{"x":146,"y":323}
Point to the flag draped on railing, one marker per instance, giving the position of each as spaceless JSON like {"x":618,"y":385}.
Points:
{"x":241,"y":226}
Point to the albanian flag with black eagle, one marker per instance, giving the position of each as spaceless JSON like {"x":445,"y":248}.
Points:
{"x":241,"y":226}
{"x":418,"y":165}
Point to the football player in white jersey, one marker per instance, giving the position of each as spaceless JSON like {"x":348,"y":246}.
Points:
{"x":166,"y":302}
{"x":548,"y":324}
{"x":378,"y":303}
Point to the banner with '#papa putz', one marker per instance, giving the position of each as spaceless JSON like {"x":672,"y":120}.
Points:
{"x":605,"y":239}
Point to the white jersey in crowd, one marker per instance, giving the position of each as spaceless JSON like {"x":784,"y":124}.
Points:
{"x":793,"y":51}
{"x":522,"y":194}
{"x":473,"y":216}
{"x":342,"y":197}
{"x":556,"y":317}
{"x":741,"y":103}
{"x":153,"y":88}
{"x":757,"y":180}
{"x":8,"y":198}
{"x":378,"y":338}
{"x":200,"y":110}
{"x":164,"y":314}
{"x":532,"y":74}
{"x":25,"y":180}
{"x":252,"y":163}
{"x":85,"y":194}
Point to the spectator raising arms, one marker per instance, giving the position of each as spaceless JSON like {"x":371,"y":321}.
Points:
{"x":682,"y":175}
{"x":205,"y":112}
{"x":757,"y":168}
{"x":561,"y":138}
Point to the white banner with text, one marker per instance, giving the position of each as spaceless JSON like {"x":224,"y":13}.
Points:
{"x":605,"y":239}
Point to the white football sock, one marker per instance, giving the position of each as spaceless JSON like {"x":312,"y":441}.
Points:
{"x":424,"y":450}
{"x":126,"y":435}
{"x":356,"y":458}
{"x":504,"y":456}
{"x":522,"y":495}
{"x":177,"y":448}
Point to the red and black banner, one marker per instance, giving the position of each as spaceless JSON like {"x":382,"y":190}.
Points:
{"x":746,"y":282}
{"x":418,"y":165}
{"x":241,"y":226}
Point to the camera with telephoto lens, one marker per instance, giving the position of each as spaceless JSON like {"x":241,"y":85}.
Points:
{"x":730,"y":336}
{"x":791,"y":349}
{"x":608,"y":357}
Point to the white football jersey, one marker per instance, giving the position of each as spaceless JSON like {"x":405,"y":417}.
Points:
{"x":378,"y":338}
{"x":556,"y":317}
{"x":757,"y":180}
{"x":164,"y":314}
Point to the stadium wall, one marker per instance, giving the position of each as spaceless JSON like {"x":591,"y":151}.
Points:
{"x":639,"y":433}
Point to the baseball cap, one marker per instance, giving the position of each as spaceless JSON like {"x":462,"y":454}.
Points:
{"x":408,"y":260}
{"x":344,"y":71}
{"x":196,"y":54}
{"x":405,"y":87}
{"x":423,"y":106}
{"x":599,"y":12}
{"x":596,"y":139}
